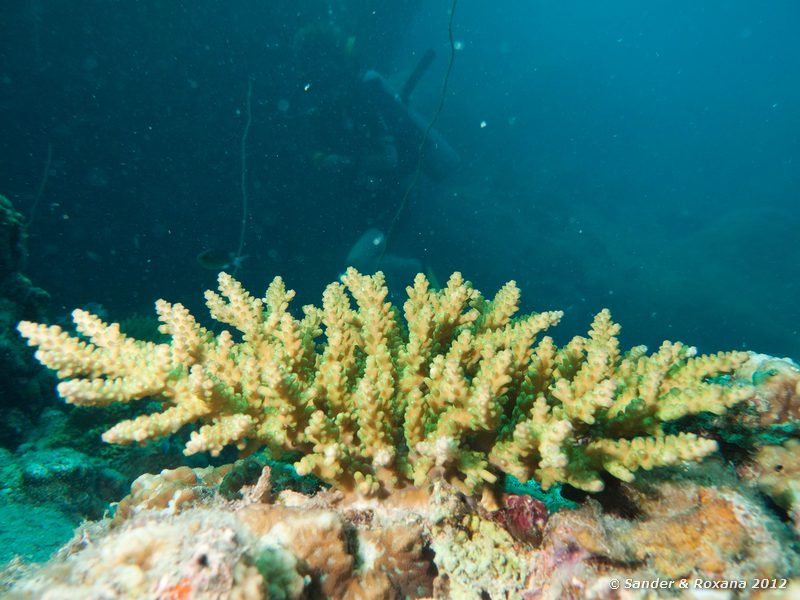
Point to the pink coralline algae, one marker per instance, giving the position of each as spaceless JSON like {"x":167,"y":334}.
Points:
{"x":524,"y":518}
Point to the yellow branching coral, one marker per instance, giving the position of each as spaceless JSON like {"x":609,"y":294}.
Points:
{"x":459,"y":389}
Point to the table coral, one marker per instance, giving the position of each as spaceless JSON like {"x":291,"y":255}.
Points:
{"x":460,"y":390}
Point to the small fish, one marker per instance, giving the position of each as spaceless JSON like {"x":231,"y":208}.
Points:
{"x":219,"y":260}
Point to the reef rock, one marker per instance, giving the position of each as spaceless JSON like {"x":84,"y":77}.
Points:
{"x":178,"y":538}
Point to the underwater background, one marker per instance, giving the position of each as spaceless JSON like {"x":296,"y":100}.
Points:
{"x":643,"y":157}
{"x":639,"y":157}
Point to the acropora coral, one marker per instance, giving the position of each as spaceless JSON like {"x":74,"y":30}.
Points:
{"x":460,"y":389}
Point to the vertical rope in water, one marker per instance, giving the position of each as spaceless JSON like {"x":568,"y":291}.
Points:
{"x":421,"y":149}
{"x":42,"y":184}
{"x":243,"y":181}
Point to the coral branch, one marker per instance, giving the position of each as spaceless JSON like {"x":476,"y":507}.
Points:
{"x":460,"y":390}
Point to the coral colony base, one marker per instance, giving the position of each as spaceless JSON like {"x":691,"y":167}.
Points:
{"x":460,"y":391}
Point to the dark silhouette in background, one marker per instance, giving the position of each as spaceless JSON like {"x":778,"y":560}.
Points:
{"x":605,"y":159}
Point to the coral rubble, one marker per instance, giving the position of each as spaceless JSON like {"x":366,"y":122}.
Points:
{"x":461,"y":391}
{"x":777,"y":386}
{"x":332,"y":545}
{"x":777,"y":470}
{"x":680,"y":531}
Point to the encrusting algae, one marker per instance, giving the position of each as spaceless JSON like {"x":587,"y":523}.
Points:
{"x":459,"y":389}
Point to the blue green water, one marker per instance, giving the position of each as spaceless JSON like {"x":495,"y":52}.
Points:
{"x":638,"y":157}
